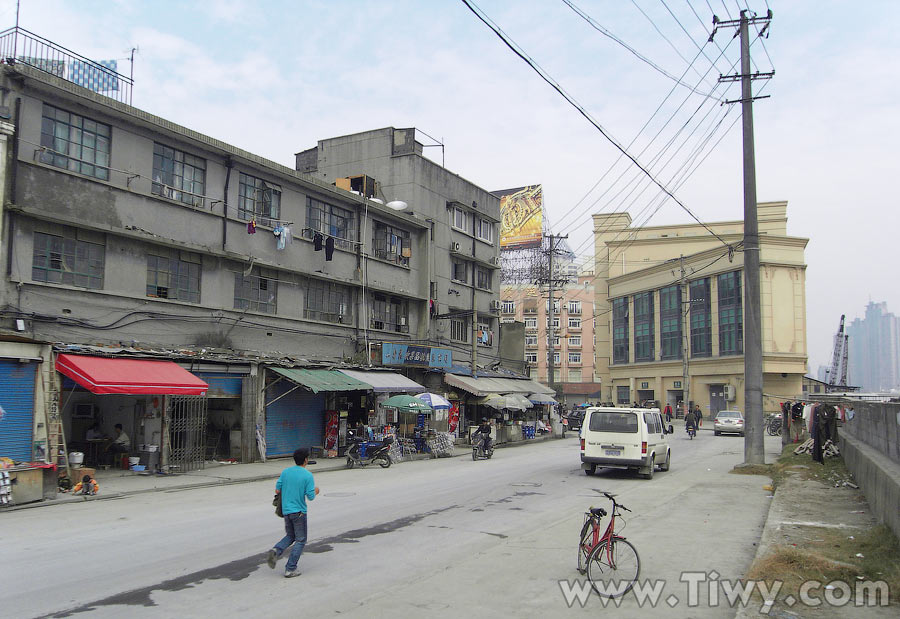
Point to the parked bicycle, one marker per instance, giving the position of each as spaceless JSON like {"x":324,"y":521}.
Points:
{"x":773,"y":425}
{"x":610,"y":561}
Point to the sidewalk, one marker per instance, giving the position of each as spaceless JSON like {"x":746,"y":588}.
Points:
{"x":117,"y":483}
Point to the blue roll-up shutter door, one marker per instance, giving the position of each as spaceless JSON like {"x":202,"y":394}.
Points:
{"x":17,"y":400}
{"x":296,"y":420}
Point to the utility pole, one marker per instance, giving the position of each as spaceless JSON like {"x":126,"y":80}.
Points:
{"x":754,"y":450}
{"x":551,"y":284}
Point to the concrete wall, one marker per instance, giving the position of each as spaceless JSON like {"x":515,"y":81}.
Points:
{"x":870,"y":443}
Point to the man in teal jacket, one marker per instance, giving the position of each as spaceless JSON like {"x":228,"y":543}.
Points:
{"x":295,"y":485}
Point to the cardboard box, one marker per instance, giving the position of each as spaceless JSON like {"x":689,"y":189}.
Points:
{"x":78,"y":472}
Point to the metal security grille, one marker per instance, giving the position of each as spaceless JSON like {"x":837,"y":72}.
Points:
{"x":187,"y":431}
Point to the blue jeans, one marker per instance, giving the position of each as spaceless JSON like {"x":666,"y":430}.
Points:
{"x":295,"y":533}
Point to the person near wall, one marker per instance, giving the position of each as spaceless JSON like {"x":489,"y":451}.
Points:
{"x":668,"y":413}
{"x":698,"y":414}
{"x":121,"y":444}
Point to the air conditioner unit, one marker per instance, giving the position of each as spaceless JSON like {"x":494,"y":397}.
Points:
{"x":730,"y":393}
{"x":495,"y":260}
{"x":402,"y":320}
{"x":496,"y":305}
{"x":454,"y":246}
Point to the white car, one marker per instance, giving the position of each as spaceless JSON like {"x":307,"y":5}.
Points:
{"x":625,"y":438}
{"x":729,"y":421}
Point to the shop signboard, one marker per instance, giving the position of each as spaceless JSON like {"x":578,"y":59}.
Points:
{"x":419,"y":356}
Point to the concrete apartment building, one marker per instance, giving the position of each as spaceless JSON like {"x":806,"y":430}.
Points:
{"x":573,"y":335}
{"x":875,"y":349}
{"x":641,"y":310}
{"x":126,"y":235}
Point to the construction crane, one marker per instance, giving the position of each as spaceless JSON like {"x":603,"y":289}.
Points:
{"x":845,"y":361}
{"x":838,"y":373}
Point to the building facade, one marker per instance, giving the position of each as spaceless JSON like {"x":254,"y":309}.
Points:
{"x":664,"y":290}
{"x":875,"y":349}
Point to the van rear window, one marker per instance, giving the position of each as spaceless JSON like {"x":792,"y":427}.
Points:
{"x":614,"y":422}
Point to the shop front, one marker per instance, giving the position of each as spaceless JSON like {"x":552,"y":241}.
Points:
{"x":159,"y":407}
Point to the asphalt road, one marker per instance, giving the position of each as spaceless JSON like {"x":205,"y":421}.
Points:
{"x":440,"y":538}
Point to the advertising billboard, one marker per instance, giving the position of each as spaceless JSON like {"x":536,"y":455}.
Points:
{"x":521,"y":216}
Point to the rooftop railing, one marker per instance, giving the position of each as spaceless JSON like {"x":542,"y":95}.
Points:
{"x":19,"y":46}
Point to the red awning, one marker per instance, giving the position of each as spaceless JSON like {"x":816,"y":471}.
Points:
{"x":102,"y":375}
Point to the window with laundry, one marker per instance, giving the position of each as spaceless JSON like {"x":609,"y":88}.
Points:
{"x":389,"y":313}
{"x":66,"y":259}
{"x":485,"y":333}
{"x":391,"y":243}
{"x":459,"y":270}
{"x":258,"y":200}
{"x":459,"y":329}
{"x":257,"y":291}
{"x":327,"y":301}
{"x":178,"y":175}
{"x":75,"y":143}
{"x":329,"y":220}
{"x":173,"y":275}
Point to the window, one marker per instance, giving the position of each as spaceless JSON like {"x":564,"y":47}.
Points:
{"x":574,"y":307}
{"x":620,"y":330}
{"x":459,"y":330}
{"x":258,"y":200}
{"x":531,"y":323}
{"x":557,"y":375}
{"x":459,"y":270}
{"x":75,"y":143}
{"x":556,"y":358}
{"x":575,"y":340}
{"x":531,"y":357}
{"x":484,"y":230}
{"x":483,"y":277}
{"x":574,"y":323}
{"x":173,"y":276}
{"x":485,"y":334}
{"x":731,"y":318}
{"x":390,"y":243}
{"x":178,"y":176}
{"x":623,"y":395}
{"x":643,"y":327}
{"x":553,"y":323}
{"x":256,"y":292}
{"x":626,"y":423}
{"x":701,"y":328}
{"x":327,"y":301}
{"x":670,"y":322}
{"x":460,"y":219}
{"x":389,"y":313}
{"x":556,"y":306}
{"x":574,"y":357}
{"x":531,"y":340}
{"x":574,"y":375}
{"x":533,"y":373}
{"x":509,"y":307}
{"x":329,"y":220}
{"x":555,"y":341}
{"x":67,"y":260}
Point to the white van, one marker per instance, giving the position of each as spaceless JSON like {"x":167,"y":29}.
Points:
{"x":624,"y":438}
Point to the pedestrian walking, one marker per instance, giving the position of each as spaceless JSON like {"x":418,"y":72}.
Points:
{"x":296,"y":486}
{"x":698,"y":414}
{"x":668,"y":413}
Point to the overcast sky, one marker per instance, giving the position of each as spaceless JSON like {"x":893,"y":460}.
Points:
{"x":275,"y":77}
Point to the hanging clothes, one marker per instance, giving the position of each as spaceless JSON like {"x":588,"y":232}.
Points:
{"x":251,"y":226}
{"x":278,"y":231}
{"x":816,"y":433}
{"x":329,"y":248}
{"x":318,"y":239}
{"x":287,"y":235}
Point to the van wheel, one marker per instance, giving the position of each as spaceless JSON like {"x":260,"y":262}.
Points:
{"x":590,"y":469}
{"x":665,"y":467}
{"x":648,"y":472}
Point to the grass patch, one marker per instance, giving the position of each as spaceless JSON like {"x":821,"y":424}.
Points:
{"x":831,"y":555}
{"x":803,"y":465}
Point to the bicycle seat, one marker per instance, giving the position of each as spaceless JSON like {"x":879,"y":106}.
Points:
{"x":598,"y":511}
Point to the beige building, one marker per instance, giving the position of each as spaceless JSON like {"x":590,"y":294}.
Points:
{"x":646,"y":313}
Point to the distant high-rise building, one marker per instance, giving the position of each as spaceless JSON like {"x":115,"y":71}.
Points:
{"x":875,"y":349}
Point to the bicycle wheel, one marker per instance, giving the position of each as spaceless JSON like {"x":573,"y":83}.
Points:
{"x":613,"y":574}
{"x":584,"y":547}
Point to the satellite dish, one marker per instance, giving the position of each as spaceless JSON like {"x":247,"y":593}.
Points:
{"x":378,"y":200}
{"x":397,"y":205}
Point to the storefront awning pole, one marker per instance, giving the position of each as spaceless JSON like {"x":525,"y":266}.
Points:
{"x":282,"y":395}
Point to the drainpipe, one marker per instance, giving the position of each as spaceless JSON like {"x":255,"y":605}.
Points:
{"x":14,"y":172}
{"x":229,"y":163}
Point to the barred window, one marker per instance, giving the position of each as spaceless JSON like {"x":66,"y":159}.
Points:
{"x":330,"y":220}
{"x":327,"y":301}
{"x":259,"y":200}
{"x":75,"y":143}
{"x":531,"y":323}
{"x":574,"y":307}
{"x":256,"y":292}
{"x":574,"y":357}
{"x":574,"y":340}
{"x":389,"y":313}
{"x":508,"y":307}
{"x":67,"y":260}
{"x":574,"y":323}
{"x":390,"y":243}
{"x":173,"y":277}
{"x":731,"y":318}
{"x":178,"y":176}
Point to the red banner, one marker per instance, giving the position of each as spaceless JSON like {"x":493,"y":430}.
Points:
{"x":454,"y":415}
{"x":331,"y":429}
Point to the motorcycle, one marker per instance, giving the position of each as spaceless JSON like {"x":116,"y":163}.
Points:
{"x":692,"y":431}
{"x":371,"y":454}
{"x":478,"y":450}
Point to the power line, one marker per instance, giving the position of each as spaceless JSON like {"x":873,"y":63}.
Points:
{"x":555,"y":85}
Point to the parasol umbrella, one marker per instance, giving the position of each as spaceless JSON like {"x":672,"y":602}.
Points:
{"x":513,"y":401}
{"x":434,"y":400}
{"x":407,"y":403}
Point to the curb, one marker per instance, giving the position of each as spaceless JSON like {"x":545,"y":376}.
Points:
{"x":762,"y":549}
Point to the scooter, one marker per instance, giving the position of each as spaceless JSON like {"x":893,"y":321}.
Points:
{"x":478,"y":450}
{"x":373,"y":453}
{"x":692,"y":432}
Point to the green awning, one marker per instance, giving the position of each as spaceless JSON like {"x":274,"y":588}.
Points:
{"x":322,"y":380}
